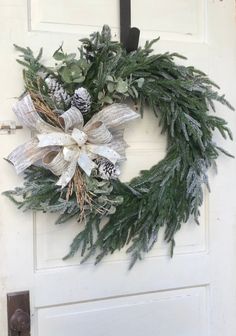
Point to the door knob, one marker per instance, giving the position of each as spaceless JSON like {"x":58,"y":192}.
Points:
{"x":18,"y":313}
{"x":20,"y":321}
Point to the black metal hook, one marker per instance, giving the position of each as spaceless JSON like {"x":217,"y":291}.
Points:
{"x":129,"y":37}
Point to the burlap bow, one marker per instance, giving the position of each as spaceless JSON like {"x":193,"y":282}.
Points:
{"x":62,"y":149}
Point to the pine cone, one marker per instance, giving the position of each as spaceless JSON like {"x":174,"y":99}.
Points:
{"x":57,"y":92}
{"x":82,"y":100}
{"x":107,"y":170}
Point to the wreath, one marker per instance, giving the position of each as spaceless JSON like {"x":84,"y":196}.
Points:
{"x":78,"y":110}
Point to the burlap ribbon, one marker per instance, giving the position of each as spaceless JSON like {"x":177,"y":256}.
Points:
{"x":62,"y":149}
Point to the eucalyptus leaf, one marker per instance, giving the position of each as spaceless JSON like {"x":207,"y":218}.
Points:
{"x":70,"y":57}
{"x":107,"y":100}
{"x":110,"y":78}
{"x":140,"y":82}
{"x":121,"y":86}
{"x":66,"y":74}
{"x":111,"y":87}
{"x":100,"y":95}
{"x":79,"y":79}
{"x":58,"y":56}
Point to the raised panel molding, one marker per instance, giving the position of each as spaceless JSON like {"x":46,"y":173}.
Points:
{"x":76,"y":16}
{"x":181,"y":312}
{"x":182,"y":20}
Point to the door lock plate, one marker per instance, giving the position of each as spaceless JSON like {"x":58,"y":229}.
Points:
{"x":18,"y":312}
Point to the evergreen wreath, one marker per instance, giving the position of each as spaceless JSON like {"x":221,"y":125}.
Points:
{"x":166,"y":195}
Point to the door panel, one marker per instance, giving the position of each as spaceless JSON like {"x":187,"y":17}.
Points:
{"x":183,"y":20}
{"x":80,"y":17}
{"x":146,"y":314}
{"x":191,"y":294}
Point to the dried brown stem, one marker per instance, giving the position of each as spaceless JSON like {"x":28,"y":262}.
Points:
{"x":44,"y":109}
{"x":82,"y":196}
{"x":69,"y":190}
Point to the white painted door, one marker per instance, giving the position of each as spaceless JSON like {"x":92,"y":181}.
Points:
{"x":192,"y":294}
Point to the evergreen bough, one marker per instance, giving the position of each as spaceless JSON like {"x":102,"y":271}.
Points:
{"x":166,"y":195}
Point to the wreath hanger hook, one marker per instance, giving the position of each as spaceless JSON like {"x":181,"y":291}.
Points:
{"x":129,"y":37}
